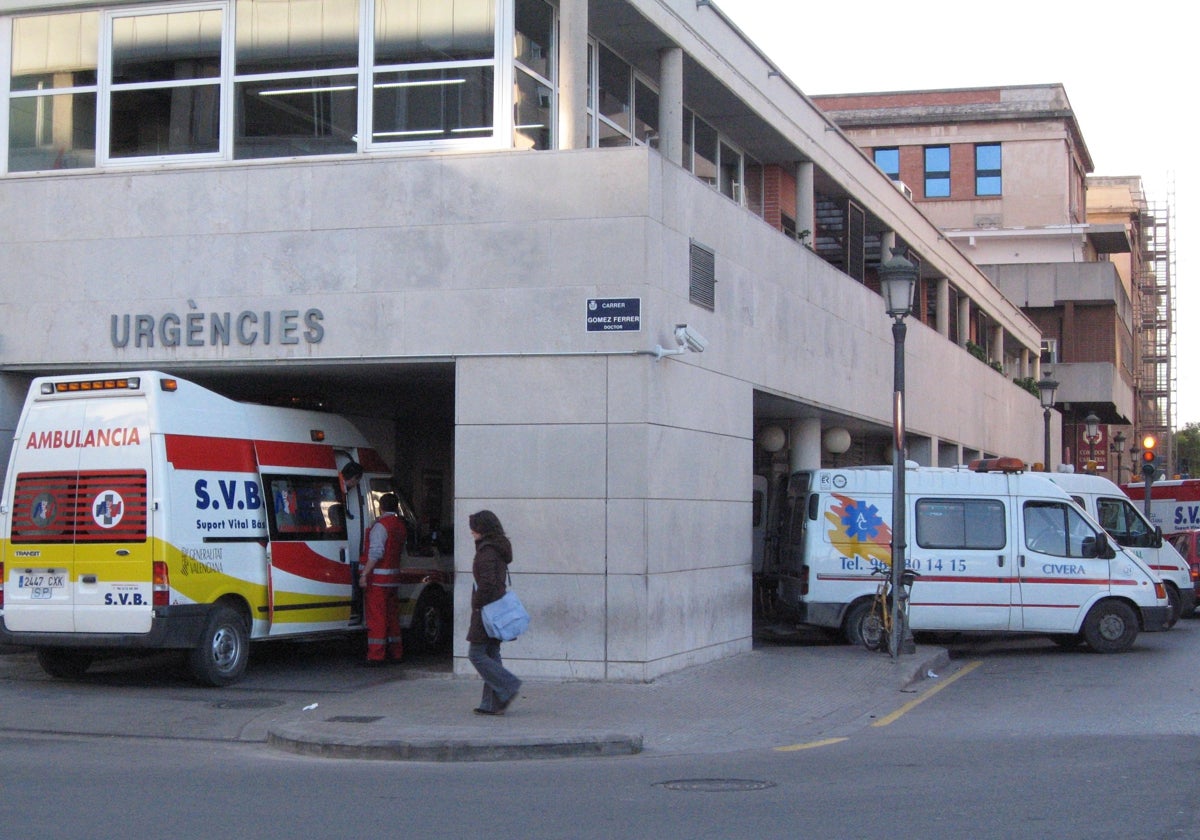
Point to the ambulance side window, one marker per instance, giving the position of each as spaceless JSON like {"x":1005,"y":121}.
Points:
{"x":976,"y":524}
{"x":305,"y":507}
{"x":1058,"y":528}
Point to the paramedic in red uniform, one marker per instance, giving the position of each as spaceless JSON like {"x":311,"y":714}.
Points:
{"x":380,"y":565}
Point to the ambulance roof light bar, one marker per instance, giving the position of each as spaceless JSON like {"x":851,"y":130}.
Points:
{"x":1004,"y":465}
{"x":129,"y":383}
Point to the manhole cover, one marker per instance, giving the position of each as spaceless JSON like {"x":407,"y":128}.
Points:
{"x":353,"y":718}
{"x":247,"y":704}
{"x":715,"y":785}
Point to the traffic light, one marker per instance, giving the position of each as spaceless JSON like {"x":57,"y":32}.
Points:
{"x":1149,"y":457}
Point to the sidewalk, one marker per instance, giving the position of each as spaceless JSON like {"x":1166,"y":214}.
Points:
{"x":779,"y":694}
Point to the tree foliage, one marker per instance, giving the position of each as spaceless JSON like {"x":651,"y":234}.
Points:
{"x":1187,"y":448}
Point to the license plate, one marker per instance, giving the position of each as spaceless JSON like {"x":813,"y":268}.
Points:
{"x":41,"y":586}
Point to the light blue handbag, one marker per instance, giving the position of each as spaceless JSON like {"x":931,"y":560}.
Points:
{"x":506,"y":618}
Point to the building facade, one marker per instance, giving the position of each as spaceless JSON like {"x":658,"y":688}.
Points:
{"x":475,"y":226}
{"x":1004,"y":172}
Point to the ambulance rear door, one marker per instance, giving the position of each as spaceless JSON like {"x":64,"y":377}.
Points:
{"x":80,"y":553}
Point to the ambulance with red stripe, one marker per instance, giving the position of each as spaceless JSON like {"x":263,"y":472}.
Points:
{"x":997,"y":549}
{"x":142,"y":511}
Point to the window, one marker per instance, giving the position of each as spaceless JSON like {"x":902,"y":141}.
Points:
{"x":614,"y":99}
{"x":165,"y":84}
{"x":987,"y":169}
{"x":645,"y":113}
{"x":889,"y":161}
{"x":53,"y":82}
{"x":1059,"y":529}
{"x":1124,"y":523}
{"x":239,"y":79}
{"x":937,"y":171}
{"x":90,"y":506}
{"x":730,"y":179}
{"x":704,"y":151}
{"x":296,"y":80}
{"x":305,"y":507}
{"x":1049,"y":351}
{"x":961,"y":524}
{"x":434,"y":70}
{"x":533,"y":85}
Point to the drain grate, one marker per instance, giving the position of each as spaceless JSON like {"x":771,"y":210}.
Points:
{"x":353,"y":718}
{"x":715,"y":785}
{"x":247,"y":704}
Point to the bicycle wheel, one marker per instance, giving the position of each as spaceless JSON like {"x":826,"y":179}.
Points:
{"x":874,"y":633}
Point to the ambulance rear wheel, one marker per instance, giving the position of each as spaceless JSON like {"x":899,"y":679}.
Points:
{"x":220,"y":657}
{"x":64,"y":663}
{"x":1110,"y":627}
{"x":431,"y":622}
{"x":852,"y":627}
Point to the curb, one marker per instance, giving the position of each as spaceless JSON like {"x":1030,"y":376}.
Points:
{"x":414,"y":745}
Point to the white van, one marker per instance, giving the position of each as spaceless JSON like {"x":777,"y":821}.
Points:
{"x":1107,"y":504}
{"x":997,"y":549}
{"x":143,"y":511}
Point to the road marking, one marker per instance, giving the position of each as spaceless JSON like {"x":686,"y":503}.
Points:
{"x":811,"y":745}
{"x":912,"y":704}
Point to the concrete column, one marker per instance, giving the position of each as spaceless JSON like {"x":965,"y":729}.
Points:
{"x":943,"y":307}
{"x":805,"y":453}
{"x":806,"y":203}
{"x":572,"y":74}
{"x":887,"y":241}
{"x":1025,"y":354}
{"x":964,"y":320}
{"x":998,"y":345}
{"x":670,"y":105}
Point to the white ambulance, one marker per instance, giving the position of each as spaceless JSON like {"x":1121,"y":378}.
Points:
{"x":1174,"y":503}
{"x":1107,"y":504}
{"x":998,"y":550}
{"x":143,"y":511}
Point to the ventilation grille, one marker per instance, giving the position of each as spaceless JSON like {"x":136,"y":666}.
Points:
{"x":702,"y":276}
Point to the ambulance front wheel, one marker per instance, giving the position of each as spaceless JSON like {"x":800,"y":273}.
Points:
{"x":856,"y":616}
{"x":64,"y":663}
{"x":1110,"y":627}
{"x":220,"y":657}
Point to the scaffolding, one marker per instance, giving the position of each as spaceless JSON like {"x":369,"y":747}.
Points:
{"x":1156,"y":384}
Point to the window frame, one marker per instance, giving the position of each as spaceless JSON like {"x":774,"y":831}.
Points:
{"x":989,"y":174}
{"x":936,"y":176}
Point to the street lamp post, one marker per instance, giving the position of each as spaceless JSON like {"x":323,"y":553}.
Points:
{"x":1046,"y":388}
{"x":1091,"y":431}
{"x":1118,"y":446}
{"x":898,"y":282}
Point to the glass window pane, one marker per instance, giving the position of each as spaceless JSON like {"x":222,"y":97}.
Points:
{"x":531,"y":44}
{"x":731,"y":173}
{"x":889,"y":161}
{"x":275,"y":37}
{"x":616,"y":78}
{"x":52,"y":132}
{"x":937,"y":159}
{"x":704,"y":162}
{"x":413,"y":31}
{"x":987,"y":186}
{"x":987,"y":156}
{"x":610,"y":136}
{"x":55,"y":51}
{"x":166,"y":48}
{"x":164,"y":121}
{"x":645,"y":105}
{"x":447,"y":103}
{"x":532,"y":112}
{"x":287,"y":117}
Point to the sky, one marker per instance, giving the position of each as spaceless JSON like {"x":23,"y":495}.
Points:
{"x":1122,"y":65}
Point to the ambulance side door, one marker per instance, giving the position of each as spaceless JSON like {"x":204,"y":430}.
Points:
{"x":1060,"y":569}
{"x":960,"y":548}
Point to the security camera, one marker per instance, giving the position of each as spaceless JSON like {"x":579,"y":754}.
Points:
{"x":689,"y":338}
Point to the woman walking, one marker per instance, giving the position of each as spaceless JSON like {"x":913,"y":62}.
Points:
{"x":493,"y":553}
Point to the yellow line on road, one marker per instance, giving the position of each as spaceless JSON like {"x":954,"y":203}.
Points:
{"x":912,"y":704}
{"x":811,"y":744}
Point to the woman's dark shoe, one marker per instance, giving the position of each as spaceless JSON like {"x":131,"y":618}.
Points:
{"x":488,"y":711}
